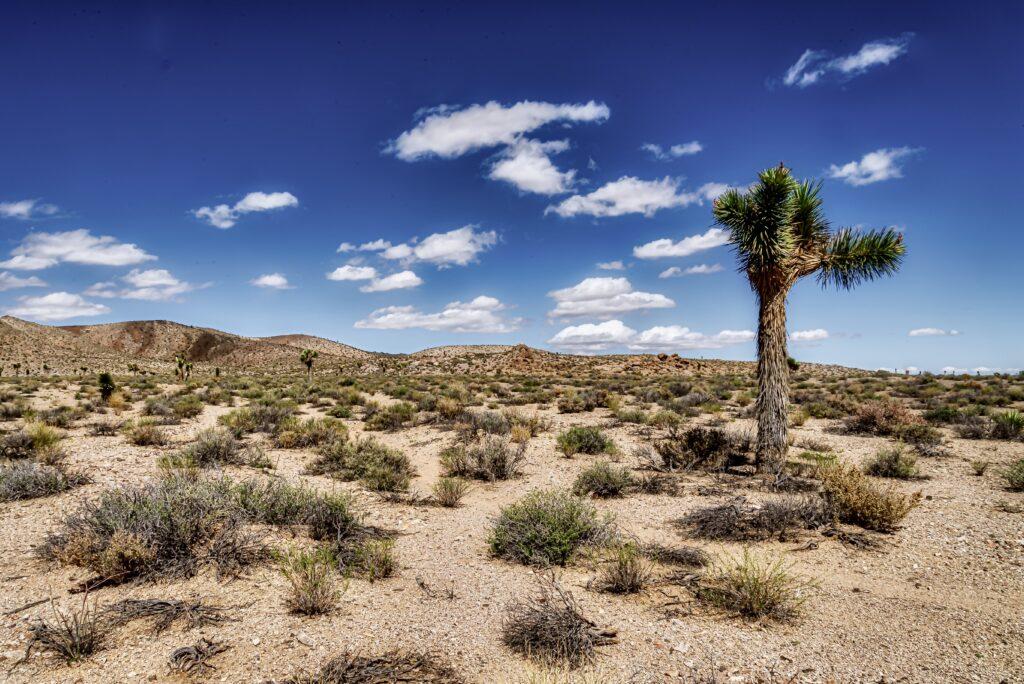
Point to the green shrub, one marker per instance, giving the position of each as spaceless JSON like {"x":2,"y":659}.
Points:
{"x":854,"y":499}
{"x":392,"y":417}
{"x":603,"y":480}
{"x":1014,"y":476}
{"x":753,"y":587}
{"x":293,"y":433}
{"x":1008,"y":425}
{"x":626,"y":573}
{"x":144,"y":433}
{"x":212,"y":447}
{"x":894,"y":463}
{"x":546,"y":527}
{"x":493,"y":459}
{"x":313,"y":585}
{"x":187,"y":406}
{"x":31,"y":480}
{"x":376,"y":466}
{"x":584,"y":440}
{"x":448,"y":491}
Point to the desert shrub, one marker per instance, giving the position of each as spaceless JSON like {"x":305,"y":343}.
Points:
{"x":72,"y":636}
{"x":449,"y":491}
{"x":187,"y":406}
{"x":493,"y":459}
{"x":882,"y":418}
{"x":144,"y":433}
{"x":212,"y":447}
{"x":854,"y":499}
{"x":666,"y":418}
{"x":979,"y":467}
{"x":392,"y":417}
{"x":626,"y":573}
{"x":157,"y":407}
{"x":545,"y":527}
{"x":584,"y":440}
{"x":312,"y":432}
{"x":602,"y":479}
{"x":973,"y":427}
{"x":394,"y":666}
{"x":550,"y":627}
{"x":16,"y":445}
{"x":631,"y":415}
{"x":700,"y":447}
{"x":257,"y":418}
{"x":753,"y":587}
{"x":372,"y":559}
{"x":59,"y":417}
{"x":532,"y":423}
{"x":105,"y":428}
{"x":738,"y":520}
{"x":12,"y":410}
{"x":685,"y":556}
{"x":376,"y":466}
{"x":449,"y":409}
{"x":489,"y":422}
{"x":1008,"y":425}
{"x":894,"y":463}
{"x":31,"y":480}
{"x":1014,"y":476}
{"x":520,"y":434}
{"x":313,"y":587}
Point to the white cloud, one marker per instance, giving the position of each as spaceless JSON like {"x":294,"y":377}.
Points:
{"x":153,"y":285}
{"x":451,"y":132}
{"x":699,"y":269}
{"x":457,"y":247}
{"x":816,"y":66}
{"x":603,"y":297}
{"x":526,"y":165}
{"x":611,"y":266}
{"x":346,"y":247}
{"x":673,"y":152}
{"x":27,"y":209}
{"x":815,"y":335}
{"x":630,"y":195}
{"x":42,"y":250}
{"x":9,"y":281}
{"x":396,"y":281}
{"x":350,"y":272}
{"x":272,"y":281}
{"x":481,"y":315}
{"x":56,"y":306}
{"x":590,"y":337}
{"x":873,"y":167}
{"x":375,"y":246}
{"x":224,"y":216}
{"x":665,"y":247}
{"x":932,"y":332}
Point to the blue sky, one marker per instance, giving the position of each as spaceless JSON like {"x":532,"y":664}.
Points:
{"x":204,"y":163}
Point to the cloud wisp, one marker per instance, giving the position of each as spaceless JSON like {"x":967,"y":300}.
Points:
{"x":873,"y":167}
{"x":226,"y":216}
{"x":481,"y":315}
{"x":56,"y":306}
{"x":153,"y":285}
{"x":43,"y":250}
{"x":631,"y":195}
{"x":272,"y":281}
{"x":819,"y":66}
{"x":666,"y":247}
{"x":673,"y":152}
{"x":611,"y":334}
{"x":27,"y":209}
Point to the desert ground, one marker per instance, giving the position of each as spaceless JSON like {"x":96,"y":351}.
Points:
{"x":678,"y":561}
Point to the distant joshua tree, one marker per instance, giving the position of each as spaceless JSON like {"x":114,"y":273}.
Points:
{"x":307,"y":357}
{"x":179,"y":360}
{"x":780,"y":235}
{"x":107,"y":386}
{"x":186,"y":371}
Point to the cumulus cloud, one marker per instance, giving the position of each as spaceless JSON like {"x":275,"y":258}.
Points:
{"x":458,"y":247}
{"x":481,"y":315}
{"x":604,"y":297}
{"x":451,"y":132}
{"x":526,"y":165}
{"x":42,"y":250}
{"x":225,"y":216}
{"x":396,"y":281}
{"x":631,"y":195}
{"x":592,"y":337}
{"x":699,"y":269}
{"x":815,"y":335}
{"x":154,"y":285}
{"x":673,"y":152}
{"x":27,"y":209}
{"x":9,"y":281}
{"x":665,"y":247}
{"x":611,"y":266}
{"x":56,"y":306}
{"x":346,"y":247}
{"x":873,"y":167}
{"x":819,"y":66}
{"x":351,"y":272}
{"x":932,"y":332}
{"x":271,"y":281}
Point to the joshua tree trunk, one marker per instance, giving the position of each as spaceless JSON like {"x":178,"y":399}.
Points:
{"x":773,"y":381}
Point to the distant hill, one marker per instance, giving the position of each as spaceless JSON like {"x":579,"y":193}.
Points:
{"x":153,"y":346}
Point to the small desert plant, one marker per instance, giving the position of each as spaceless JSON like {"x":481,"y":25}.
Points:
{"x":700,"y":447}
{"x":885,"y":418}
{"x":373,"y":559}
{"x":979,"y":467}
{"x":739,"y":521}
{"x":1008,"y":425}
{"x":376,"y":466}
{"x":493,"y":459}
{"x":550,"y":627}
{"x":144,"y":433}
{"x":1014,"y":476}
{"x":602,"y":479}
{"x":545,"y":527}
{"x":584,"y":440}
{"x":448,"y":491}
{"x":894,"y":463}
{"x":31,"y":480}
{"x":313,"y":585}
{"x":297,"y":434}
{"x":72,"y":636}
{"x":626,"y":573}
{"x":394,"y":666}
{"x":392,"y":417}
{"x":212,"y":447}
{"x":187,"y":406}
{"x":854,"y":499}
{"x":753,"y":587}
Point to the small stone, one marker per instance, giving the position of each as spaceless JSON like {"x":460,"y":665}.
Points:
{"x":305,"y":639}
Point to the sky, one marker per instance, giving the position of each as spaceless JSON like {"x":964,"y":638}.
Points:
{"x":396,"y":177}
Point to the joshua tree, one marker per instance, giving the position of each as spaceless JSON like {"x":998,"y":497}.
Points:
{"x":186,"y":371}
{"x":107,"y":386}
{"x":179,"y":359}
{"x":780,"y":235}
{"x":307,"y":356}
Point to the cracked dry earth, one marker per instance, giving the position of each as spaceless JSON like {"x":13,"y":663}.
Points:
{"x":939,"y":601}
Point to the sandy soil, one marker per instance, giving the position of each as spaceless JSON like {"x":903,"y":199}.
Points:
{"x":940,"y":602}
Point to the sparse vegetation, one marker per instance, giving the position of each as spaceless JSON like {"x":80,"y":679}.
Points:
{"x":546,"y":527}
{"x":584,"y":440}
{"x":753,"y":587}
{"x":492,"y":459}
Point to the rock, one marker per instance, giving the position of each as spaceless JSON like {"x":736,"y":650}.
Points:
{"x":305,"y":639}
